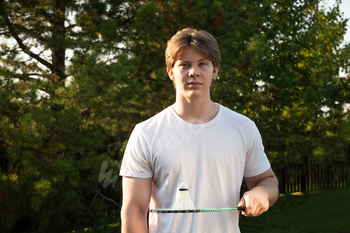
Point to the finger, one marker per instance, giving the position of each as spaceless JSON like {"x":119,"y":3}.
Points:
{"x":241,"y":203}
{"x":245,"y":202}
{"x":249,"y":206}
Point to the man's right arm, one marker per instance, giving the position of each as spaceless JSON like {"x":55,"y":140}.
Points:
{"x":136,"y":199}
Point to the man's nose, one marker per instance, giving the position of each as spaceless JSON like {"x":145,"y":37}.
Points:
{"x":194,"y":72}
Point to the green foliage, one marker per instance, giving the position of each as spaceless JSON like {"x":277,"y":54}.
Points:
{"x":76,"y":76}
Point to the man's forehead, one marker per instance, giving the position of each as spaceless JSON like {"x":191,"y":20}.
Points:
{"x":182,"y":56}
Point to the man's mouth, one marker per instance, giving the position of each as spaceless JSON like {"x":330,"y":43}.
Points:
{"x":194,"y":84}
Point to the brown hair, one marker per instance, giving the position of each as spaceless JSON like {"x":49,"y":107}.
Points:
{"x":201,"y":40}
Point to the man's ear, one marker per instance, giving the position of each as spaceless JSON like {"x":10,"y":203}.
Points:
{"x":171,"y":74}
{"x":215,"y":72}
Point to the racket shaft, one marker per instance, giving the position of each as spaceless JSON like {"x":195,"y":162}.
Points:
{"x":208,"y":210}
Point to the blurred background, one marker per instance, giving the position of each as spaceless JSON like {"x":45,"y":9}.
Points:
{"x":77,"y":75}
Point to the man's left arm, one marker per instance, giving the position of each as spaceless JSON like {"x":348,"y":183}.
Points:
{"x":263,"y":193}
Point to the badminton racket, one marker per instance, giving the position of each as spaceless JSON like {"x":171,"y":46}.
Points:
{"x":204,"y":210}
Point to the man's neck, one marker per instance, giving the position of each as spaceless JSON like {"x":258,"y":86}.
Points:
{"x":196,"y":111}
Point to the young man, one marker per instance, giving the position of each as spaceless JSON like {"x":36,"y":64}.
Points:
{"x":198,"y":142}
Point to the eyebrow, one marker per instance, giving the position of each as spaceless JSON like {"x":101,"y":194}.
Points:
{"x":202,"y":59}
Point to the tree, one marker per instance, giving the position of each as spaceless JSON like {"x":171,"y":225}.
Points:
{"x":76,"y":76}
{"x":301,"y":98}
{"x":60,"y":121}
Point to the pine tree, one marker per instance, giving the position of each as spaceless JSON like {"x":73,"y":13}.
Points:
{"x":66,"y":105}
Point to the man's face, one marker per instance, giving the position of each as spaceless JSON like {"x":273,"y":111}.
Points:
{"x":192,"y":74}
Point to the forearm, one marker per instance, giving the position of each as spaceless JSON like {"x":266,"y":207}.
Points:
{"x":262,"y":194}
{"x":268,"y":186}
{"x":133,"y":221}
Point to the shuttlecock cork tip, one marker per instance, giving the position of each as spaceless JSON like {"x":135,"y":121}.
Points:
{"x":183,"y":187}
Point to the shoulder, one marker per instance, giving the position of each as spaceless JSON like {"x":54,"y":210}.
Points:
{"x":152,"y":124}
{"x":238,"y":123}
{"x":155,"y":119}
{"x":235,"y":117}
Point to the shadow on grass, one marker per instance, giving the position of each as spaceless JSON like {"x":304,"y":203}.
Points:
{"x":318,"y":212}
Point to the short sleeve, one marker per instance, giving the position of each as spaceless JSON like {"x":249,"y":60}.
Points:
{"x":136,"y":160}
{"x":256,"y":161}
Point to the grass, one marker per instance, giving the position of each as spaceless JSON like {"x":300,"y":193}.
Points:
{"x":318,"y":212}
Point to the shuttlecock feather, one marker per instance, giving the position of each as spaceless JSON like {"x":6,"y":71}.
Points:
{"x":183,"y":199}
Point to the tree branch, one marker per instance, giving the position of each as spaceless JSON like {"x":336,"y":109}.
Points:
{"x":26,"y":77}
{"x":21,"y":44}
{"x":108,"y":199}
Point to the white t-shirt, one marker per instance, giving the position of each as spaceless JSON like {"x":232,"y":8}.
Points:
{"x":210,"y":158}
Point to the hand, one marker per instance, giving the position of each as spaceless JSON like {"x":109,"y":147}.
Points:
{"x":255,"y":201}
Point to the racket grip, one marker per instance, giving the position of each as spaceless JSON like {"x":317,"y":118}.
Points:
{"x":241,"y":208}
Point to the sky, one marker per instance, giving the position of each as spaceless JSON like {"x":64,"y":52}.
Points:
{"x":345,"y":8}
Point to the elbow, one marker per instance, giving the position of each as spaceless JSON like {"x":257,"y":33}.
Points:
{"x":123,"y":213}
{"x":128,"y":213}
{"x":133,"y":219}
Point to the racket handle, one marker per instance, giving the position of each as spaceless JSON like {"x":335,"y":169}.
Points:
{"x":241,"y":208}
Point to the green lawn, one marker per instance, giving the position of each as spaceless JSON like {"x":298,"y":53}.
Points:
{"x":318,"y":212}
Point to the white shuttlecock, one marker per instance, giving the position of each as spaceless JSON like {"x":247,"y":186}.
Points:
{"x":183,"y":199}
